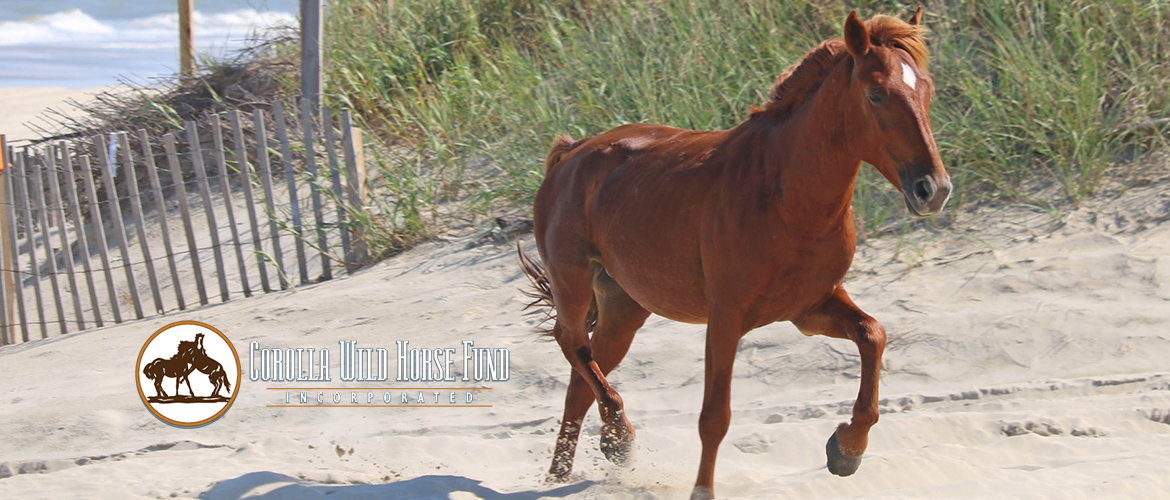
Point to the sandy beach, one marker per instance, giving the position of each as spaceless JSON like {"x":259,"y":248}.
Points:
{"x":24,"y":105}
{"x":1027,"y":358}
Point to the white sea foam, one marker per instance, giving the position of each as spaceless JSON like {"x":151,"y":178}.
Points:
{"x":60,"y":26}
{"x":74,"y":26}
{"x":76,"y":49}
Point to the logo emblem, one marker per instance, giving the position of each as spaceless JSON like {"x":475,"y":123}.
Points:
{"x":188,"y":374}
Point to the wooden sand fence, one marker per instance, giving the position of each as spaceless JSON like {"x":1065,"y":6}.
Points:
{"x":147,"y":226}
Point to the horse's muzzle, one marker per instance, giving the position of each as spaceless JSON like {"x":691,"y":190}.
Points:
{"x":926,"y":195}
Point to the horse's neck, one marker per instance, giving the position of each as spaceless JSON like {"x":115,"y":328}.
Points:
{"x":807,"y":162}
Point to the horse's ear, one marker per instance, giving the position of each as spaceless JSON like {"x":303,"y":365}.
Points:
{"x":917,"y":19}
{"x":856,"y":36}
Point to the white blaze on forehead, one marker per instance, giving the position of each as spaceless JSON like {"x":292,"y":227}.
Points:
{"x":908,"y":75}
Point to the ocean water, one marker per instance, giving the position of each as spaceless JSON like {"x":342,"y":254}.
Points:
{"x":88,"y":43}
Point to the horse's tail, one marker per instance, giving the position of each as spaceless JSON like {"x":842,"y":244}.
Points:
{"x":542,"y":297}
{"x":561,"y":147}
{"x":150,"y":368}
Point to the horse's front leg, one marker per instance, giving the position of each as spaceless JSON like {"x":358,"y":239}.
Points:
{"x":724,"y":329}
{"x":187,"y":377}
{"x":839,"y":317}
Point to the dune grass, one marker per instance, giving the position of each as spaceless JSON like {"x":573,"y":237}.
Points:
{"x":1037,"y":101}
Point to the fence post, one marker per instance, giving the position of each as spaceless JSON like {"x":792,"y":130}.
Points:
{"x":186,"y":39}
{"x":311,"y":38}
{"x":355,"y":165}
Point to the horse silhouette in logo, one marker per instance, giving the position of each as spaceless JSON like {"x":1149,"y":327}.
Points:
{"x":191,"y":356}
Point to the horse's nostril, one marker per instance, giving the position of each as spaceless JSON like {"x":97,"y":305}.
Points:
{"x":923,"y":190}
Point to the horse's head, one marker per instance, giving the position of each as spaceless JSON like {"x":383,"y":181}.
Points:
{"x":890,"y":84}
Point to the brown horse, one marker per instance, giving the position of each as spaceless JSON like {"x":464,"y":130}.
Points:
{"x":161,"y":368}
{"x":196,"y":358}
{"x":736,"y":229}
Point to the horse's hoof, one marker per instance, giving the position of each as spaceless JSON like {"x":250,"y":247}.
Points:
{"x":839,"y":463}
{"x":619,"y":450}
{"x":552,"y":478}
{"x":701,"y":493}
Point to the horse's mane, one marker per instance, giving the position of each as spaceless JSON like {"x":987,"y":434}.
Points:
{"x":806,"y":76}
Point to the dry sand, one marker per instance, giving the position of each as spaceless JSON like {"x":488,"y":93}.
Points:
{"x":20,"y":106}
{"x":1028,"y":358}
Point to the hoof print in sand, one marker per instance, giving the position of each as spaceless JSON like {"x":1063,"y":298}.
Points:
{"x":1160,"y":416}
{"x":754,"y":444}
{"x":1040,"y":427}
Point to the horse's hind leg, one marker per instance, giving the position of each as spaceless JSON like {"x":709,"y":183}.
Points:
{"x":618,"y":319}
{"x":572,"y":290}
{"x":839,"y":317}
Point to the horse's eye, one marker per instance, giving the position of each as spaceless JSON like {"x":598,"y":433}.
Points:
{"x":877,"y":96}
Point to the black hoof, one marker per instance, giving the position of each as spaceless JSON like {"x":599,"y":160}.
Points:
{"x":620,"y":452}
{"x":552,"y":478}
{"x":839,"y":464}
{"x":701,"y":493}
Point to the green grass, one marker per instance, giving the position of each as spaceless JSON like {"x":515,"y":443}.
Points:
{"x":1028,"y":92}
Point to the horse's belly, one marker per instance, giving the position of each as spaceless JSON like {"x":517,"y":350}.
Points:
{"x":669,"y":285}
{"x":684,"y":309}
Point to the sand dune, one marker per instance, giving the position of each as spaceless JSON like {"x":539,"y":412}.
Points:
{"x":1028,"y":358}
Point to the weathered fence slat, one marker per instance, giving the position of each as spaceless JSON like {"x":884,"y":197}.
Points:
{"x":204,"y":191}
{"x":335,"y":180}
{"x":131,"y":176}
{"x":79,"y":229}
{"x":160,"y":207}
{"x":11,"y":263}
{"x":58,"y":208}
{"x":225,"y":186}
{"x":22,"y":169}
{"x":356,"y":168}
{"x":38,"y":186}
{"x":95,"y":218}
{"x":249,"y":197}
{"x":265,"y":173}
{"x":291,"y":181}
{"x":7,"y":328}
{"x":315,"y":187}
{"x":6,"y":325}
{"x":185,"y":213}
{"x":17,"y":199}
{"x":107,"y":166}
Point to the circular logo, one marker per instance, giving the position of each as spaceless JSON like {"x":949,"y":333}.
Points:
{"x":188,"y":374}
